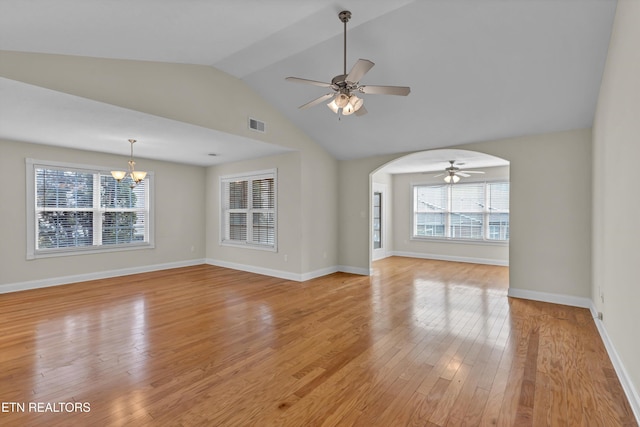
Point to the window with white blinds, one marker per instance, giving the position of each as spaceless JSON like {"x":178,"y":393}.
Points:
{"x":248,"y":210}
{"x":469,"y":211}
{"x":75,"y":209}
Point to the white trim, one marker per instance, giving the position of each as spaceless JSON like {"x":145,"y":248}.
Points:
{"x":223,"y":223}
{"x":381,"y":255}
{"x":355,"y":270}
{"x":318,"y":273}
{"x":33,"y":253}
{"x":65,"y":280}
{"x":287,"y":275}
{"x":472,"y":260}
{"x":476,"y":242}
{"x":549,"y":297}
{"x":625,"y":380}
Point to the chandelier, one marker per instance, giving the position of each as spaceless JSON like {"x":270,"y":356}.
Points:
{"x":136,"y":176}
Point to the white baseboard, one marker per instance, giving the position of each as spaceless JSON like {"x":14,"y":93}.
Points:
{"x":65,"y":280}
{"x":318,"y":273}
{"x":297,"y":277}
{"x":75,"y":278}
{"x":439,"y":257}
{"x":355,"y":270}
{"x":625,"y":380}
{"x":280,"y":274}
{"x":549,"y":297}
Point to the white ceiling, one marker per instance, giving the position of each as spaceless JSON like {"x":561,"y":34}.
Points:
{"x":478,"y":69}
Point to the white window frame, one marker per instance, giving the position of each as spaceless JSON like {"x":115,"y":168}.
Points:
{"x":97,"y":247}
{"x":485,"y":229}
{"x":224,"y":213}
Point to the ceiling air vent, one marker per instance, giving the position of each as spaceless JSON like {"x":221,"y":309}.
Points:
{"x":256,"y":125}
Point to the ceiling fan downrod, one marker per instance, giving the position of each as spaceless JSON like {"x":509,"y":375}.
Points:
{"x":344,"y":16}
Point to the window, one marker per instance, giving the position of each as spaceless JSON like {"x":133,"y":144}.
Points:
{"x":470,"y":211}
{"x":248,"y":216}
{"x":377,"y":220}
{"x":78,"y":209}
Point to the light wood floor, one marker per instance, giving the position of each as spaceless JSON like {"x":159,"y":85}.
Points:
{"x":419,"y":343}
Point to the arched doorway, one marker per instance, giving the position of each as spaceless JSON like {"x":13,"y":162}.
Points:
{"x":470,"y":224}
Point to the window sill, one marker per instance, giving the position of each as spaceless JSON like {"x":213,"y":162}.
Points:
{"x":88,"y":250}
{"x":249,"y":246}
{"x":460,"y":241}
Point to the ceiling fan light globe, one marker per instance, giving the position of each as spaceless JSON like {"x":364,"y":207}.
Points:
{"x":355,"y":102}
{"x":342,"y":100}
{"x":455,"y":178}
{"x":333,"y":106}
{"x":348,"y":110}
{"x":447,"y":179}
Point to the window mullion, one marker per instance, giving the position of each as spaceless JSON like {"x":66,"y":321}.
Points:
{"x":97,"y":213}
{"x":250,"y":211}
{"x":447,"y":220}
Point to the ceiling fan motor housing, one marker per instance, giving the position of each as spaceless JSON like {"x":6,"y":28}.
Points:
{"x":344,"y":16}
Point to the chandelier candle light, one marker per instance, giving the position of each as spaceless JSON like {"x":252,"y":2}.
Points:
{"x":136,"y":176}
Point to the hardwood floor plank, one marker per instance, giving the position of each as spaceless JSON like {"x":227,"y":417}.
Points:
{"x":418,"y":343}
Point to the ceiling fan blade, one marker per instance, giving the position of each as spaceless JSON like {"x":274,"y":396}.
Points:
{"x":361,"y":111}
{"x":435,"y":176}
{"x":307,"y":81}
{"x":473,"y":172}
{"x":386,"y":90}
{"x":463,"y":174}
{"x":359,"y":69}
{"x":316,"y":101}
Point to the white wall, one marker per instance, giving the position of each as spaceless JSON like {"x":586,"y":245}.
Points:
{"x":487,"y":253}
{"x":179,"y":217}
{"x":616,"y":199}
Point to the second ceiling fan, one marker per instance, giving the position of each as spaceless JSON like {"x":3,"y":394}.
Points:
{"x":453,"y":173}
{"x":345,"y":86}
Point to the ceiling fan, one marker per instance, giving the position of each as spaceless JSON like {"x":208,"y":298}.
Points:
{"x":453,"y":173}
{"x":345,"y":86}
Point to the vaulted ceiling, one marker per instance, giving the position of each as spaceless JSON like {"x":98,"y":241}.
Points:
{"x":478,"y":69}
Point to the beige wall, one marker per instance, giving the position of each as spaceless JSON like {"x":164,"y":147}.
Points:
{"x":353,"y":212}
{"x":187,"y":93}
{"x":307,"y":215}
{"x":492,"y":253}
{"x":289,"y":193}
{"x":319,"y":211}
{"x":616,"y":201}
{"x":179,"y":216}
{"x":192,"y":94}
{"x":550,"y":210}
